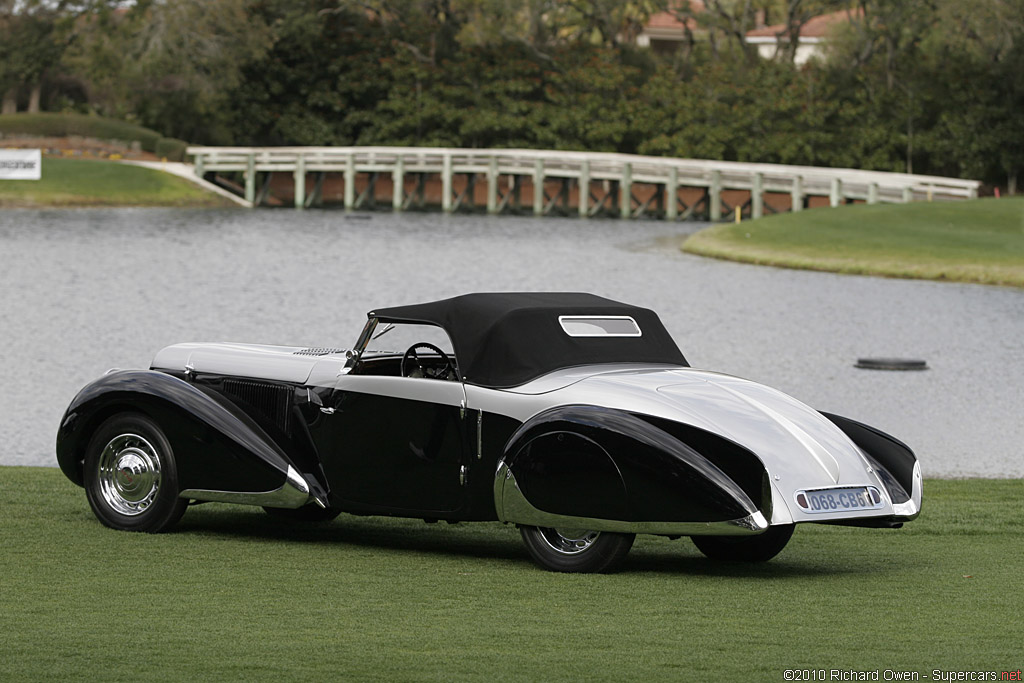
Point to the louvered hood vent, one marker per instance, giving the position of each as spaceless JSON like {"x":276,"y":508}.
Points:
{"x":272,"y":401}
{"x":317,"y":351}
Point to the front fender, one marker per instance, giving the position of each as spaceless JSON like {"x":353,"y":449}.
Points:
{"x":216,"y":446}
{"x":617,"y":471}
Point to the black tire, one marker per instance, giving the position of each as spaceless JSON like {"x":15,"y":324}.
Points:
{"x":759,"y":548}
{"x":310,"y":514}
{"x":562,"y":550}
{"x":131,"y":479}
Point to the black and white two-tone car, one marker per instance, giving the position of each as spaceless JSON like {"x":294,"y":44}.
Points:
{"x":575,"y":417}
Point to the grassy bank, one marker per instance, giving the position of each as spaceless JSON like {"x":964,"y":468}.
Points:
{"x":234,"y":594}
{"x":972,"y":241}
{"x":79,"y":182}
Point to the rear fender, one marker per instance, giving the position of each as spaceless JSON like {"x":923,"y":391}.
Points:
{"x":218,"y":449}
{"x":895,"y":462}
{"x":617,"y":471}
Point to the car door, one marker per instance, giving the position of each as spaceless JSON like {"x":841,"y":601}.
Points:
{"x":396,"y":443}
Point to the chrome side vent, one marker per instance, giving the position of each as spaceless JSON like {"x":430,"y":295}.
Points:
{"x":272,"y":401}
{"x":317,"y":351}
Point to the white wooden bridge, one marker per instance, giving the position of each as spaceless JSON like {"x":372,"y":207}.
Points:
{"x":546,"y":182}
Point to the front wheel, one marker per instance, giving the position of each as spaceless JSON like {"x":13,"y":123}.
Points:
{"x":576,"y":550}
{"x":131,"y":479}
{"x":759,"y":548}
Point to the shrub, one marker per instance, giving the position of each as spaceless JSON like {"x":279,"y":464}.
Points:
{"x":171,"y":149}
{"x":64,"y":125}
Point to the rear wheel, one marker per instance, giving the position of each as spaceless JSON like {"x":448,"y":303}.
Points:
{"x":759,"y":548}
{"x":130,"y":476}
{"x":575,"y":550}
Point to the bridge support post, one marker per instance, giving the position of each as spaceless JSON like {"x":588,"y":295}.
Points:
{"x":492,"y":185}
{"x":250,"y":179}
{"x":350,"y":182}
{"x":908,"y":194}
{"x":835,"y":193}
{"x":584,"y":189}
{"x":672,"y":194}
{"x":538,"y":187}
{"x":200,"y":171}
{"x":796,"y":195}
{"x":316,"y":197}
{"x":873,"y":193}
{"x":626,"y":191}
{"x":300,"y":182}
{"x":398,"y":184}
{"x":446,"y":182}
{"x":715,"y":197}
{"x":757,"y":196}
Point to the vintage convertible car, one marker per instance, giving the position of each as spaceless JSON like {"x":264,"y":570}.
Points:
{"x":572,"y":416}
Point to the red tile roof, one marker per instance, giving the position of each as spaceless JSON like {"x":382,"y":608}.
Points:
{"x":668,"y":20}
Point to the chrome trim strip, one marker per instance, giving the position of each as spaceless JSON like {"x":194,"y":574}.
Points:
{"x":479,"y":434}
{"x":513,"y":507}
{"x":411,"y":388}
{"x":293,"y":493}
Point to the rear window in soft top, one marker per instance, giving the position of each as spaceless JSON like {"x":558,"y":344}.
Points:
{"x":599,"y":326}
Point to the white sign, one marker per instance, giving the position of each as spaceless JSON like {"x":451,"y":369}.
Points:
{"x":21,"y":164}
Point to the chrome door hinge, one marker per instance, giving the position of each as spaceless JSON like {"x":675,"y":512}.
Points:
{"x":462,"y":409}
{"x":462,"y":475}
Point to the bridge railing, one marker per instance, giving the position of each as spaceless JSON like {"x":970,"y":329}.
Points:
{"x":668,"y":175}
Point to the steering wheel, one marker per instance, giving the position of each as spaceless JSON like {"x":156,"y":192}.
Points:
{"x":447,"y":372}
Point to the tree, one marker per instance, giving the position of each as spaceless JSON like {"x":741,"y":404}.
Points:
{"x":321,"y":80}
{"x":168,"y":63}
{"x":31,"y":43}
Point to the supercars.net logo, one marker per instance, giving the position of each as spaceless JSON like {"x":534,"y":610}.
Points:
{"x":897,"y":675}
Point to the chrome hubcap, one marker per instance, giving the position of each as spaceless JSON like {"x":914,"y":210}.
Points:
{"x":129,"y":474}
{"x":569,"y":541}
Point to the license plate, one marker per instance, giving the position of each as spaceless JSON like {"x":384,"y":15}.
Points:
{"x":846,"y":499}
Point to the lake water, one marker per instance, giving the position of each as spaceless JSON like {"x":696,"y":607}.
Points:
{"x":87,"y":290}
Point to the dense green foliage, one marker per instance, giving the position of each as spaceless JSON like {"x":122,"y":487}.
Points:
{"x":970,"y":241}
{"x":234,"y":594}
{"x":930,"y":86}
{"x":82,"y":182}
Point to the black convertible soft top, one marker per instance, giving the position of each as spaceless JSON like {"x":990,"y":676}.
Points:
{"x":506,"y":339}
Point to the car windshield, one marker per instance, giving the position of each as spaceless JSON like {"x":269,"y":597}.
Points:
{"x":392,"y":338}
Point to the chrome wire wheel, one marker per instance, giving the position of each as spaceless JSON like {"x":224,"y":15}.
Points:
{"x":131,"y":477}
{"x":568,"y":549}
{"x":129,"y":474}
{"x":569,"y":541}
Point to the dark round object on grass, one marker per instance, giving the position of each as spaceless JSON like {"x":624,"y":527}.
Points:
{"x":891,"y":364}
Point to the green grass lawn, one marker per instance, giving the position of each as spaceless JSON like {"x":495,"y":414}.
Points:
{"x":81,"y":182}
{"x":234,"y":594}
{"x":970,"y":241}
